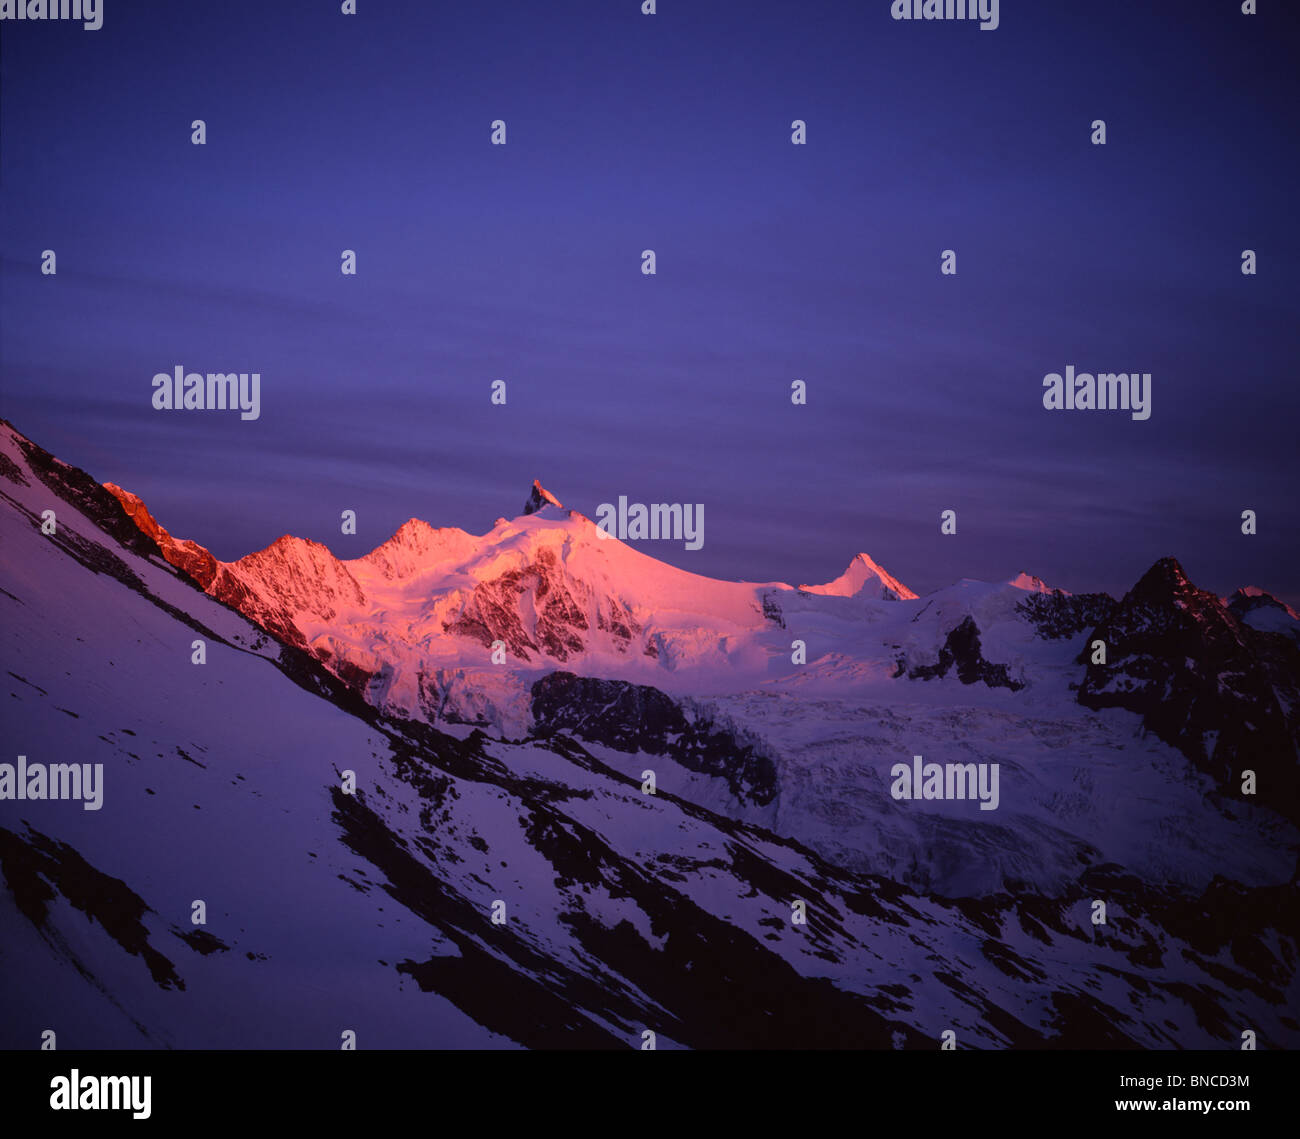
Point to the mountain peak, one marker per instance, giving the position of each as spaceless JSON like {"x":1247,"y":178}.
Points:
{"x":540,"y":497}
{"x":1032,"y":583}
{"x":417,"y":547}
{"x":864,"y":576}
{"x":1165,"y":578}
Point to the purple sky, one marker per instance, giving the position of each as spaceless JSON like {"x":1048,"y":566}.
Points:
{"x":775,"y":263}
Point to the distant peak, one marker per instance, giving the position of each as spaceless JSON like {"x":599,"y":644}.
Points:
{"x":539,"y":497}
{"x":864,"y":576}
{"x":1031,"y":583}
{"x":1250,"y":597}
{"x":1167,"y":572}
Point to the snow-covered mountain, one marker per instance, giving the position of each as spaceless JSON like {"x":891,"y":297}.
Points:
{"x":413,"y":625}
{"x":623,"y":911}
{"x":1261,"y":610}
{"x":864,"y":578}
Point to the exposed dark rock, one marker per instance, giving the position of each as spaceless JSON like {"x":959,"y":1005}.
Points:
{"x":636,"y":717}
{"x":962,"y":649}
{"x":1058,"y":615}
{"x":38,"y":869}
{"x":1224,"y":694}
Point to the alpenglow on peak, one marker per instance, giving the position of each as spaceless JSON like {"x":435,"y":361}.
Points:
{"x":538,"y":497}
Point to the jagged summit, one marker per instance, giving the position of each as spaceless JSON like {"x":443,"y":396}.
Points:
{"x":865,"y":577}
{"x":540,"y":497}
{"x":1166,"y":578}
{"x":1031,"y":583}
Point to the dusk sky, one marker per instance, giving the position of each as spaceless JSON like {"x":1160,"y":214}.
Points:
{"x":775,"y":263}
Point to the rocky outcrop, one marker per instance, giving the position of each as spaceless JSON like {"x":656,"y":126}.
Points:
{"x":180,"y":552}
{"x":1223,"y":693}
{"x":636,"y":717}
{"x":962,"y":651}
{"x":539,"y":497}
{"x":1058,"y":615}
